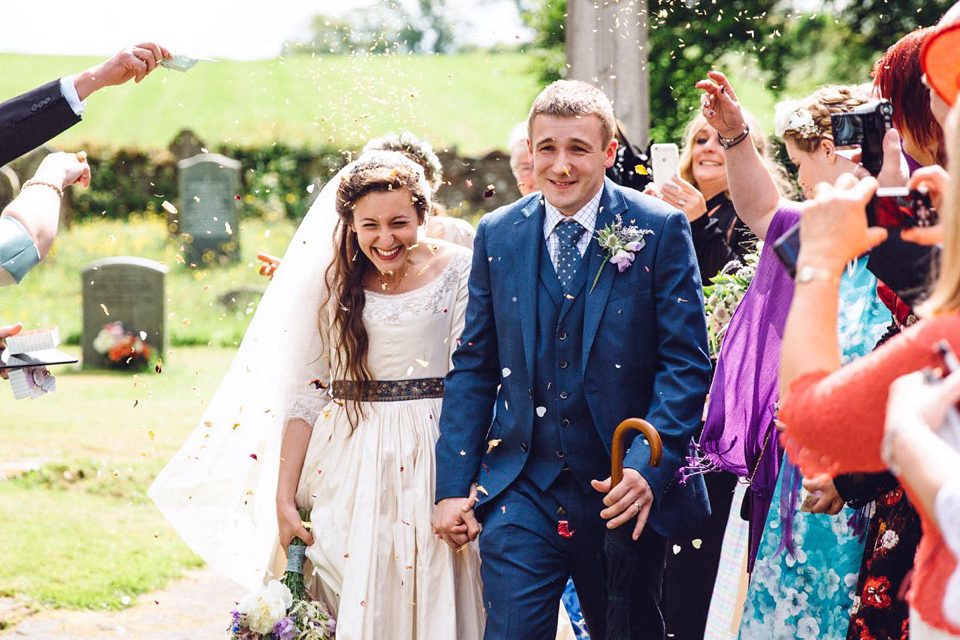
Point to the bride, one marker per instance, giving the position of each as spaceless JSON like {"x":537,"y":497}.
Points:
{"x":332,"y":404}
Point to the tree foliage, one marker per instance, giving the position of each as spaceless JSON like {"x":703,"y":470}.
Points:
{"x":688,"y":38}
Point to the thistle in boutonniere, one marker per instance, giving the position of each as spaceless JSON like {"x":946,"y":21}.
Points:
{"x":620,"y":244}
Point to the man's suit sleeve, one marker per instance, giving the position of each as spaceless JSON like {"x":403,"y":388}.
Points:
{"x":683,"y":366}
{"x":471,"y":386}
{"x":31,"y":119}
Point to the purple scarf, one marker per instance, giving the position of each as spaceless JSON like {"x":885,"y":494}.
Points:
{"x":738,"y":435}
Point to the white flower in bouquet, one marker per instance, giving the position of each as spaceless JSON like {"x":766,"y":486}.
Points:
{"x":265,"y":608}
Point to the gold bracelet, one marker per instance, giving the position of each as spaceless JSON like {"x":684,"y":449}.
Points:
{"x":31,"y":183}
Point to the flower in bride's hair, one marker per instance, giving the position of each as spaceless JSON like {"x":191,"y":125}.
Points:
{"x":790,"y":117}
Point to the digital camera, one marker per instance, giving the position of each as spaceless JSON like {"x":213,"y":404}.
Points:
{"x":864,"y":126}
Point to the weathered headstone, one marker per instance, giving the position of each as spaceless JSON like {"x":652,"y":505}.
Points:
{"x":125,"y":289}
{"x":208,"y":216}
{"x":607,"y":46}
{"x":186,"y":144}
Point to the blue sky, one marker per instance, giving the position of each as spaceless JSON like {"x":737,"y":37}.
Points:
{"x":240,"y":29}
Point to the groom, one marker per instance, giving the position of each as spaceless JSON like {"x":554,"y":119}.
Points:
{"x":557,"y":351}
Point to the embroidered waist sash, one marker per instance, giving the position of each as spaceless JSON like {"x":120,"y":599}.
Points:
{"x":388,"y":390}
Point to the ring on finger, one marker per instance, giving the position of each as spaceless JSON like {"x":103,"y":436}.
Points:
{"x":637,"y":505}
{"x":681,"y":202}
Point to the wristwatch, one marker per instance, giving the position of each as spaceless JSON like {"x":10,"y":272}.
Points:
{"x":807,"y":273}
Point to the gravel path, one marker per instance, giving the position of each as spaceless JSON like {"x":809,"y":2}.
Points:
{"x":197,"y":607}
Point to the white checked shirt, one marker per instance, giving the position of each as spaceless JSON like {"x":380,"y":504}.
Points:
{"x":587,"y":217}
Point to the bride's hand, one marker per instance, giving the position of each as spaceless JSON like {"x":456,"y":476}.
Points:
{"x":290,"y":525}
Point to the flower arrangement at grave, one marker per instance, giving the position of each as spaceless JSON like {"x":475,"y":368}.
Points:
{"x":281,"y":609}
{"x":123,"y":347}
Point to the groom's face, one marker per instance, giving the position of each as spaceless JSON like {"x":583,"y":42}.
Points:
{"x":569,"y":159}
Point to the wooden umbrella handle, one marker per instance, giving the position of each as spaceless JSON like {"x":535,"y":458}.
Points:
{"x":616,"y":457}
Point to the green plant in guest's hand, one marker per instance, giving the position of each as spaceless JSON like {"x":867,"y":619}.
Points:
{"x":722,"y":297}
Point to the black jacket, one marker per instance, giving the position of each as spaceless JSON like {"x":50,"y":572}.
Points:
{"x":29,"y":120}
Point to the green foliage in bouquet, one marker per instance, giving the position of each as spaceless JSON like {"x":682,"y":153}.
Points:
{"x":723,"y":296}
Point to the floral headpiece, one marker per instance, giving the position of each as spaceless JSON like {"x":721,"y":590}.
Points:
{"x":790,"y":116}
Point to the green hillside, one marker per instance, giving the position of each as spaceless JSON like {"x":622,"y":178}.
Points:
{"x":470,"y":100}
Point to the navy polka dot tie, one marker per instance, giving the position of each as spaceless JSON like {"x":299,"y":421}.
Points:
{"x":568,"y":257}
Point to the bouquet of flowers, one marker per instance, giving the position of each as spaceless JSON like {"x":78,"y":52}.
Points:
{"x":123,"y":347}
{"x":722,"y":297}
{"x":282,"y":610}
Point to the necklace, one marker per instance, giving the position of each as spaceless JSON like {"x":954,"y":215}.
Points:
{"x":385,"y":286}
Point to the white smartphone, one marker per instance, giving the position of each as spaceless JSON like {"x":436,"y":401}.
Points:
{"x":665,"y":161}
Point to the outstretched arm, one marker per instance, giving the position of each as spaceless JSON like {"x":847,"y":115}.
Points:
{"x":752,"y":188}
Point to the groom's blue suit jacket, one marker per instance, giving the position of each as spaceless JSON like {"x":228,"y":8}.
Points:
{"x":644,"y":353}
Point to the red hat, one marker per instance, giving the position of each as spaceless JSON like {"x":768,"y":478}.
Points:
{"x":941,"y":62}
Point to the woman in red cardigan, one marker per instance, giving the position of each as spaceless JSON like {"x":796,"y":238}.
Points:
{"x":833,"y":416}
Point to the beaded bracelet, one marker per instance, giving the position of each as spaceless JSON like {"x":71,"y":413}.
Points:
{"x":31,"y":183}
{"x":727,"y":143}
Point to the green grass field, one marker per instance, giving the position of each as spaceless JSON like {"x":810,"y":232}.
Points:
{"x":469,"y":100}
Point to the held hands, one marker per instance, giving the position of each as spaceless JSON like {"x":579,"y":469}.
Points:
{"x":720,"y":106}
{"x":288,"y":518}
{"x":632,"y":497}
{"x":132,"y":62}
{"x":833,"y":227}
{"x":454,"y":521}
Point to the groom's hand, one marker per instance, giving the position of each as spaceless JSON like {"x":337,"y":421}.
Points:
{"x":454,"y":521}
{"x":631,"y":498}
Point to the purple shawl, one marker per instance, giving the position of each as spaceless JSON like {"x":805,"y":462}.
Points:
{"x":738,"y":435}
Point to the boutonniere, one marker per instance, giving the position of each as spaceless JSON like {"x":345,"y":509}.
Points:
{"x":620,"y":244}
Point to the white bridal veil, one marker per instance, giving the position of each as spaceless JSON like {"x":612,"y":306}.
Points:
{"x":219,"y":490}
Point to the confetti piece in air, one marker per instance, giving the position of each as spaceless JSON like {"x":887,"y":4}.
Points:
{"x":169,"y":208}
{"x":469,"y":184}
{"x":541,"y":411}
{"x":135,"y":403}
{"x":676,"y":549}
{"x":237,"y":197}
{"x":566,"y":171}
{"x":150,"y":433}
{"x":159,"y":366}
{"x":490,"y":192}
{"x":482,"y":490}
{"x":563,"y":529}
{"x":506,"y":372}
{"x":106,"y":312}
{"x":253,"y":455}
{"x":641,"y":170}
{"x":697,"y":543}
{"x":462,"y":452}
{"x":422,"y":363}
{"x":207,"y":423}
{"x":492,"y":444}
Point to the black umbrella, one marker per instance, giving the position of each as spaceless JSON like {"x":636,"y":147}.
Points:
{"x":620,"y":554}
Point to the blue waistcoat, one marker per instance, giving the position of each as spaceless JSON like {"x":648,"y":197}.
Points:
{"x":565,"y":433}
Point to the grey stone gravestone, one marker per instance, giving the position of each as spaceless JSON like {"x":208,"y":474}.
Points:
{"x":208,"y":215}
{"x":127,"y":289}
{"x":186,"y":144}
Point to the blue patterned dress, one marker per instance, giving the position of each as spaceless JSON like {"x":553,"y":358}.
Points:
{"x":809,"y":594}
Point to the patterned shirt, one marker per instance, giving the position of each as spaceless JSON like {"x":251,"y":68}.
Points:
{"x":587,"y":217}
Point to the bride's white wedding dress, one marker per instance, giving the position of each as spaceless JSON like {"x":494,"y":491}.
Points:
{"x":370,"y":488}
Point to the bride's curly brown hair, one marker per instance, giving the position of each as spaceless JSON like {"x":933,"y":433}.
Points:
{"x":387,"y":171}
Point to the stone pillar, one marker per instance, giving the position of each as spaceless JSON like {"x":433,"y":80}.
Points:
{"x":607,"y":46}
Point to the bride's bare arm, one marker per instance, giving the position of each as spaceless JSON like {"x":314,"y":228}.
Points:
{"x":292,"y":452}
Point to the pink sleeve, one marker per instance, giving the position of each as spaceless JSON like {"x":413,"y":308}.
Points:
{"x":834,"y":421}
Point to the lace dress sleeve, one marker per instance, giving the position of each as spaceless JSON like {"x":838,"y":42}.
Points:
{"x":459,"y":305}
{"x":312,"y":394}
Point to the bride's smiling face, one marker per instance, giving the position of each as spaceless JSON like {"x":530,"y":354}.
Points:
{"x":386,"y":225}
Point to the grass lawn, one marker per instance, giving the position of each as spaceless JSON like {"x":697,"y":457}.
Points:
{"x":81,"y":532}
{"x":467,"y":100}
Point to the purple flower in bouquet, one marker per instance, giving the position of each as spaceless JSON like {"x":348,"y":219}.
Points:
{"x":286,"y":629}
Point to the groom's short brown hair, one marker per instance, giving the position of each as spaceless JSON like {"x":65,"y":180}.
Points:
{"x":575,"y":99}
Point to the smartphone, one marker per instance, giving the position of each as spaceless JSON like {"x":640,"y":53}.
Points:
{"x":901,"y":208}
{"x":787,"y":249}
{"x":665,"y":162}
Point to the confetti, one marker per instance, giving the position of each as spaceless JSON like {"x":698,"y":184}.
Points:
{"x":169,"y":208}
{"x":505,"y":372}
{"x":563,"y":529}
{"x":422,"y":363}
{"x":159,"y":367}
{"x":492,"y":444}
{"x":697,"y":543}
{"x":482,"y":490}
{"x":676,"y":549}
{"x":490,"y":192}
{"x":105,"y":311}
{"x":469,"y":184}
{"x":462,"y":452}
{"x":253,"y":455}
{"x":641,"y":170}
{"x":541,"y":411}
{"x":150,"y":433}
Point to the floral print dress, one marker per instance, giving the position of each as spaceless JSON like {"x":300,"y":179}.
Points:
{"x":808,"y":593}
